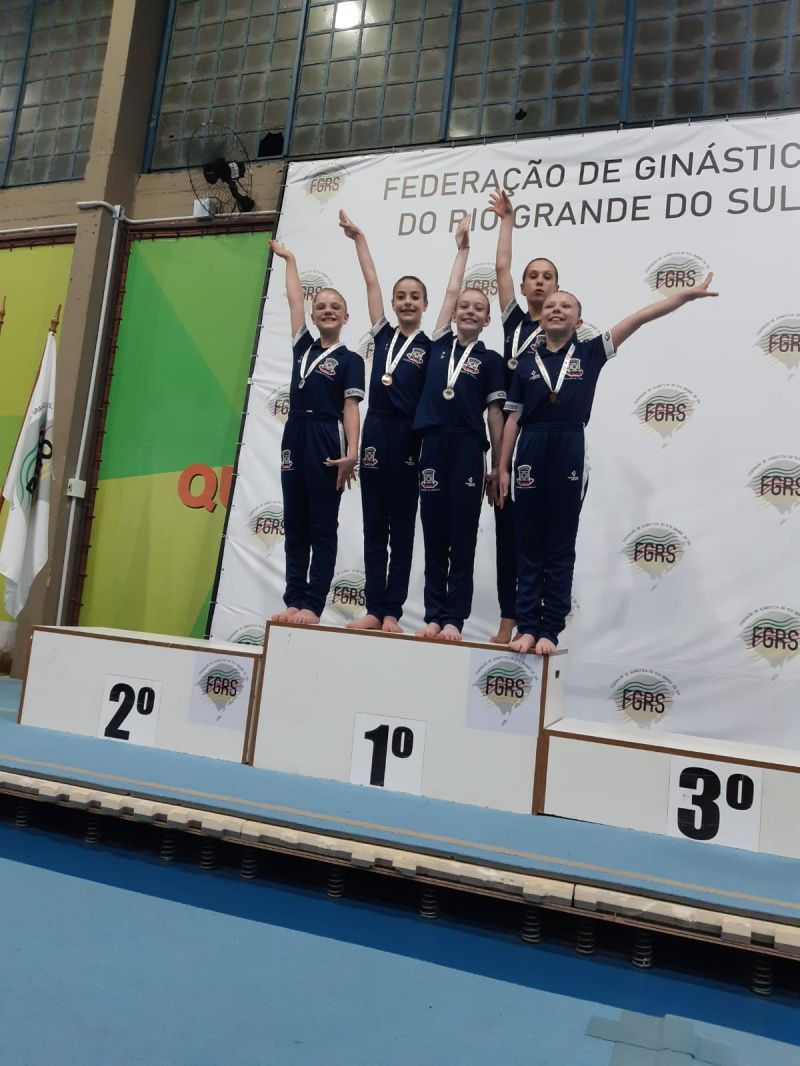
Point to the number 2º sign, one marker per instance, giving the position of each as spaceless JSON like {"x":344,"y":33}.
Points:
{"x":129,"y":710}
{"x":718,"y":802}
{"x":388,"y":752}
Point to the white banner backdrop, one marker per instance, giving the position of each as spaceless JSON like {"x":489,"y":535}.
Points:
{"x":686,"y":609}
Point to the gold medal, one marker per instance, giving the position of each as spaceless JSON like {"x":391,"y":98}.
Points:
{"x":553,"y":397}
{"x":387,"y":379}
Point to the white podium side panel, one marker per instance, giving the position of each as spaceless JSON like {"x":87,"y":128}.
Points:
{"x":195,"y":697}
{"x":601,"y":783}
{"x":465,"y":717}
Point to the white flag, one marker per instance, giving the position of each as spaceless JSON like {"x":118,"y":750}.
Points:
{"x":23,"y":552}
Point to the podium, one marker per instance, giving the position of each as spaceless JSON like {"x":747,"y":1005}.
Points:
{"x":712,"y":791}
{"x":193,"y":696}
{"x":450,"y":720}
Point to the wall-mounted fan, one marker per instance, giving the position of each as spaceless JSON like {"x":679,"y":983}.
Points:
{"x":219,"y":170}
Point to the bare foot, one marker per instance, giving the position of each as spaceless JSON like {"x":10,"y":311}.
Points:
{"x":524,"y":643}
{"x":450,"y":632}
{"x":287,"y":615}
{"x":391,"y":625}
{"x":504,"y":632}
{"x":306,"y":618}
{"x":544,"y":646}
{"x":369,"y":621}
{"x":431,"y":630}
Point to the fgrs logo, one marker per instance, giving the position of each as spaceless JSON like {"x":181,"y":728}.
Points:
{"x":504,"y":683}
{"x":779,"y":340}
{"x":664,"y":409}
{"x":278,"y":404}
{"x":644,"y":696}
{"x":772,"y":634}
{"x":346,"y":596}
{"x":313,"y":282}
{"x":266,"y":524}
{"x":325,"y":184}
{"x":482,"y":276}
{"x":776,"y":483}
{"x":655,"y":549}
{"x":221,"y":682}
{"x":366,"y":347}
{"x":676,"y":271}
{"x":252,"y":635}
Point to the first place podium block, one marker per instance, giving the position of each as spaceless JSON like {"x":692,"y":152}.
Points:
{"x":186,"y":695}
{"x":454,"y":721}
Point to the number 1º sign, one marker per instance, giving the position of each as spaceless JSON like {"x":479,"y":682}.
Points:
{"x":388,"y":752}
{"x":718,"y":802}
{"x":129,"y":710}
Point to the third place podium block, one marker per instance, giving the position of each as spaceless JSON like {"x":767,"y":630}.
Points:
{"x":454,"y":721}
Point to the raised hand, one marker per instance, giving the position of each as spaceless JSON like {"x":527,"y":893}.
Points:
{"x":351,"y":230}
{"x":500,"y":203}
{"x":699,"y":291}
{"x":281,"y":250}
{"x":462,"y":233}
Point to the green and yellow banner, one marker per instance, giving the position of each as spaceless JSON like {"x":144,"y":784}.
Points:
{"x":189,"y":317}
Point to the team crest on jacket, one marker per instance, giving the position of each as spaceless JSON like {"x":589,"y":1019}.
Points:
{"x":328,"y":366}
{"x":574,"y":370}
{"x":369,"y":459}
{"x":416,"y":356}
{"x":428,"y":480}
{"x":472,"y":366}
{"x":523,"y":479}
{"x":286,"y":460}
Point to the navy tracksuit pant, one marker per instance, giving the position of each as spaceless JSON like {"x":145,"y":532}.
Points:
{"x":451,"y":479}
{"x":549,"y":487}
{"x":310,"y":508}
{"x":389,"y":493}
{"x":506,"y":554}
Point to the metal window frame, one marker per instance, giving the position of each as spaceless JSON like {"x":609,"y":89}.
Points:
{"x":17,"y":108}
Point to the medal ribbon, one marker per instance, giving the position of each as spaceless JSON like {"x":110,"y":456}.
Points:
{"x":322,"y":355}
{"x":516,"y":349}
{"x":391,"y":363}
{"x":562,"y":373}
{"x":454,"y":371}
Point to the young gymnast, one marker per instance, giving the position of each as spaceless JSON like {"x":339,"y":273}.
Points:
{"x":520,"y":328}
{"x":389,"y":446}
{"x":320,"y":444}
{"x":549,"y":405}
{"x":464,"y":378}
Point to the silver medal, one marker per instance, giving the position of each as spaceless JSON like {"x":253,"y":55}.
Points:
{"x":387,"y":379}
{"x":449,"y":393}
{"x":513,"y":364}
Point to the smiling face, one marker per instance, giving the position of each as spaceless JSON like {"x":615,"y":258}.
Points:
{"x":561,"y":314}
{"x":472,"y":313}
{"x":409,"y":301}
{"x":539,"y":281}
{"x":329,"y":312}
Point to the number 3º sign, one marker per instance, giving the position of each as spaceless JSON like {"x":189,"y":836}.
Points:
{"x":718,"y":802}
{"x":388,"y":752}
{"x":130,"y":710}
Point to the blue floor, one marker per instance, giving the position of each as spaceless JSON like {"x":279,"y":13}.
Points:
{"x":111,"y":959}
{"x":685,"y":870}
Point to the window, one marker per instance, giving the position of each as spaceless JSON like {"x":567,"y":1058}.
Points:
{"x":230,"y":62}
{"x":52,"y":59}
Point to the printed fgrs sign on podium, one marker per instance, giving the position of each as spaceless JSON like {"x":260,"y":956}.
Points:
{"x":450,"y":721}
{"x":693,"y":441}
{"x":142,"y":688}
